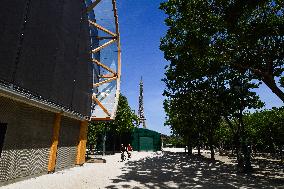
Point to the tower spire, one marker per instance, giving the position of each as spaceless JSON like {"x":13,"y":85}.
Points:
{"x":141,"y":115}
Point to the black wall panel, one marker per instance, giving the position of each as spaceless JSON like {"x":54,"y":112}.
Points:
{"x":11,"y":20}
{"x":82,"y":90}
{"x":40,"y":46}
{"x":45,"y":48}
{"x":64,"y":75}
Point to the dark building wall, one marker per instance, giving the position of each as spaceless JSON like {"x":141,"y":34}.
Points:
{"x":84,"y":70}
{"x":45,"y":49}
{"x":27,"y":139}
{"x":11,"y":20}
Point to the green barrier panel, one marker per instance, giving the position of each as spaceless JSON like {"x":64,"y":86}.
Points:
{"x":146,"y":144}
{"x":146,"y":140}
{"x":140,"y":140}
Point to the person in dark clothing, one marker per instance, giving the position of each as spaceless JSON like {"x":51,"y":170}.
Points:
{"x":122,"y":150}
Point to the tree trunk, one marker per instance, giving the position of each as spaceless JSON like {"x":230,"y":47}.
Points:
{"x":210,"y":140}
{"x":239,"y":149}
{"x":281,"y":153}
{"x":114,"y":143}
{"x":189,"y":149}
{"x":198,"y":144}
{"x":212,"y":152}
{"x":198,"y":150}
{"x":91,"y":148}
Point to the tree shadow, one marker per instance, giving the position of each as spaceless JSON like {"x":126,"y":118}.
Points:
{"x":178,"y":170}
{"x":268,"y":168}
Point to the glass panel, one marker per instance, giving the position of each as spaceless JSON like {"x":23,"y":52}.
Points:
{"x":106,"y":93}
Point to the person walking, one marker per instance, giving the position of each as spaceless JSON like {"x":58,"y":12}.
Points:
{"x":129,"y":149}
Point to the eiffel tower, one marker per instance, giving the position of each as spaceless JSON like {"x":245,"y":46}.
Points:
{"x":141,"y":115}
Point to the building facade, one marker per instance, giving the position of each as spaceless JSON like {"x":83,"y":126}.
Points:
{"x":45,"y":86}
{"x":27,"y":139}
{"x":59,"y":69}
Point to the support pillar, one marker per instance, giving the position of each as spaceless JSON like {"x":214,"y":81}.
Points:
{"x":81,"y":148}
{"x":54,"y":143}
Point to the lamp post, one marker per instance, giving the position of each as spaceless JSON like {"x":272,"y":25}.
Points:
{"x":104,"y":141}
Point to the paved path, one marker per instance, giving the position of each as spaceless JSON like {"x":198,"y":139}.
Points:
{"x":150,"y":170}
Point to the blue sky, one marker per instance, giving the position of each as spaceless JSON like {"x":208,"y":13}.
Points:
{"x":141,"y":27}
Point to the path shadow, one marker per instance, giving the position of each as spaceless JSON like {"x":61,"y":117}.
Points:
{"x":178,"y":170}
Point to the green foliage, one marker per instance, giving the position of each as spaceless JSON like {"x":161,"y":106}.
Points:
{"x":174,"y":141}
{"x":94,"y":129}
{"x":224,"y":135}
{"x":210,"y":36}
{"x":125,"y":121}
{"x":264,"y":130}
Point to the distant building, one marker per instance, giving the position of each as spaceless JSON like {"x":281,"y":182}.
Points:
{"x":140,"y":139}
{"x":146,"y":140}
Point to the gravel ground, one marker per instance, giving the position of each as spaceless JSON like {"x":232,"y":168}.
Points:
{"x":88,"y":176}
{"x":153,"y":170}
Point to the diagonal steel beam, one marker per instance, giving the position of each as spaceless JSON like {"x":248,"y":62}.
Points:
{"x":102,"y":38}
{"x":103,"y":46}
{"x":93,"y":5}
{"x":104,"y":81}
{"x":100,"y":105}
{"x":102,"y":28}
{"x":104,"y":66}
{"x":107,"y":76}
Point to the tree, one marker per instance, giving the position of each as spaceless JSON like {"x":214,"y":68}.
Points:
{"x":246,"y":36}
{"x":124,"y":122}
{"x":206,"y":80}
{"x":196,"y":105}
{"x":125,"y":119}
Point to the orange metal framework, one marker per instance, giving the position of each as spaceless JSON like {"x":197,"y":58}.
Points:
{"x":114,"y":75}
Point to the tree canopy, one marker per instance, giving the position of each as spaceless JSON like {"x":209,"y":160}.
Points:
{"x":246,"y":36}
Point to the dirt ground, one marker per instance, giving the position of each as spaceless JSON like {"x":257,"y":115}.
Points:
{"x":170,"y":169}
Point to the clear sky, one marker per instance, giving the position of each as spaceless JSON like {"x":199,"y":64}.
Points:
{"x":141,"y":27}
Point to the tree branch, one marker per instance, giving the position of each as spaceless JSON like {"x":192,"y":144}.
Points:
{"x":266,"y":77}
